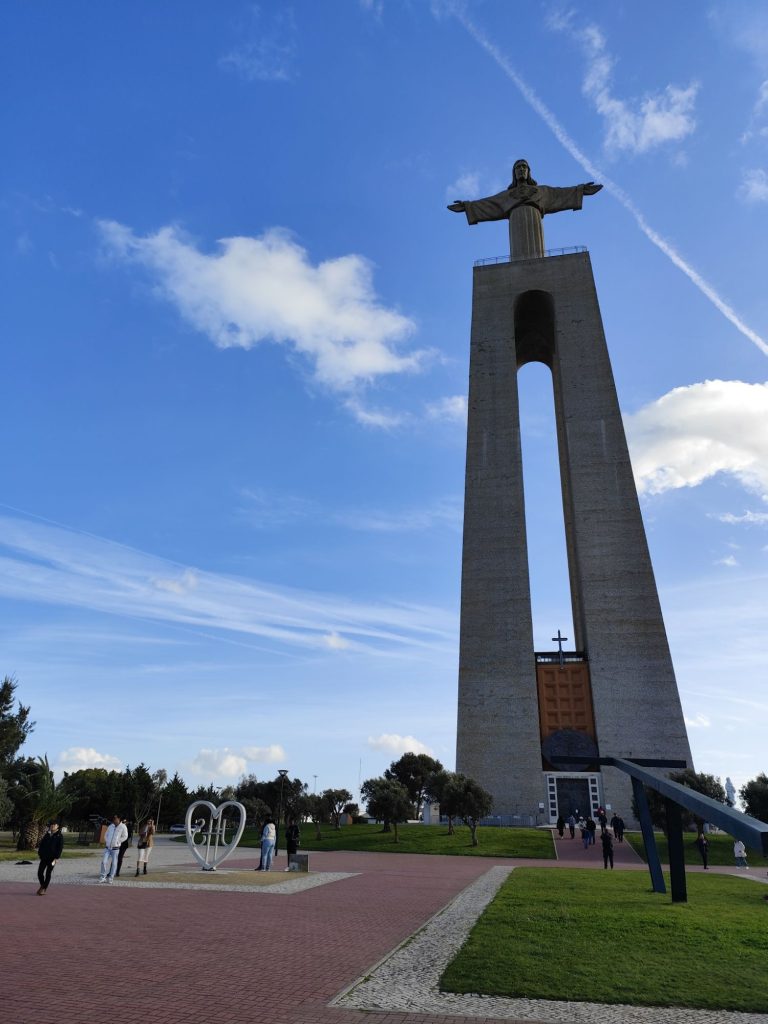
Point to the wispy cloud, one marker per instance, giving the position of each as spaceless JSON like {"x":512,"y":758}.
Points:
{"x":467,"y":184}
{"x":698,"y":722}
{"x":748,"y":518}
{"x":452,"y":408}
{"x":635,"y":126}
{"x":458,"y":10}
{"x":261,"y":289}
{"x":754,"y":186}
{"x":694,"y":432}
{"x":392,"y":743}
{"x":267,"y":50}
{"x":730,"y":561}
{"x":54,"y":565}
{"x":446,"y":513}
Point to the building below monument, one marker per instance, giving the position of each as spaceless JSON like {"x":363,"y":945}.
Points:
{"x":616,"y":695}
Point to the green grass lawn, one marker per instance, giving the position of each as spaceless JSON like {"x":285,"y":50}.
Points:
{"x":8,"y":849}
{"x":429,"y":839}
{"x":720,"y":850}
{"x":605,"y":937}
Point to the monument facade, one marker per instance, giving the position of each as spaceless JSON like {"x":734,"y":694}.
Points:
{"x":616,"y":693}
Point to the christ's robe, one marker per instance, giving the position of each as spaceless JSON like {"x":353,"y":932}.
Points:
{"x":524,"y":206}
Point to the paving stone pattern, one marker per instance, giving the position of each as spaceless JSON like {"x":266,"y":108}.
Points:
{"x":85,"y":952}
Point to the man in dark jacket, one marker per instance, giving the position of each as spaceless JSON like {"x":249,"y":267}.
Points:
{"x":49,"y":851}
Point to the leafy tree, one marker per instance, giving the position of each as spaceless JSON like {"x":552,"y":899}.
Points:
{"x":93,"y":791}
{"x":176,"y":799}
{"x":439,"y":790}
{"x":413,"y":772}
{"x":335,"y":800}
{"x":6,"y":804}
{"x":754,"y":796}
{"x":317,"y":809}
{"x":256,"y":811}
{"x":388,"y":801}
{"x":469,"y":801}
{"x":140,"y":791}
{"x":700,"y":782}
{"x":15,"y":727}
{"x":40,"y":799}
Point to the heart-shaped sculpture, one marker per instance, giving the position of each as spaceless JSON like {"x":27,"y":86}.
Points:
{"x":212,"y":848}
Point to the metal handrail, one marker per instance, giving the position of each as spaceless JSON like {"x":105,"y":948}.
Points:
{"x":514,"y":259}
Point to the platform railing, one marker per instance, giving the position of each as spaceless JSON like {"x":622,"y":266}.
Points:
{"x":514,"y":259}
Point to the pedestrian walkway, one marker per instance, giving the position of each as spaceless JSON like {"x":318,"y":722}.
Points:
{"x":85,"y":950}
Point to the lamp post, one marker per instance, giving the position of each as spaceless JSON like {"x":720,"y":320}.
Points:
{"x":282,"y":772}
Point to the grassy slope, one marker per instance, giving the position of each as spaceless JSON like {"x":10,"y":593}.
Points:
{"x":595,"y":936}
{"x":720,"y":850}
{"x":428,"y":839}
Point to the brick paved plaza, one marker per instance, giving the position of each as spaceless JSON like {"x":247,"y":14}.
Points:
{"x":84,"y":951}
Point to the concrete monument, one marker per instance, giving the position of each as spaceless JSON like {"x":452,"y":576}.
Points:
{"x":209,"y":845}
{"x":616,"y":693}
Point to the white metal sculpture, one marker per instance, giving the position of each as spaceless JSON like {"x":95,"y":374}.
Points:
{"x":212,"y":847}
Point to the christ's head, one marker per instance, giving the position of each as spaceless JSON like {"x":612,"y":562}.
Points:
{"x":521,"y":173}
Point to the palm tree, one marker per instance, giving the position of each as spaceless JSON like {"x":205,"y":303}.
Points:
{"x":40,"y":799}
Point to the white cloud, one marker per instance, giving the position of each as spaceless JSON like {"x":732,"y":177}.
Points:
{"x":452,"y":407}
{"x":49,"y":563}
{"x":694,"y":432}
{"x":699,"y":722}
{"x":266,"y":289}
{"x":73,"y":759}
{"x":265,"y":755}
{"x":382,"y":418}
{"x":638,"y":126}
{"x":392,"y":743}
{"x":466,"y":186}
{"x":219,"y":764}
{"x":728,"y":561}
{"x":268,"y":50}
{"x":749,"y":518}
{"x":181,"y":585}
{"x":336,"y":642}
{"x":754,"y":186}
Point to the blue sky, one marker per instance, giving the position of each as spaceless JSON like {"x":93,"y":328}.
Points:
{"x":235,"y":351}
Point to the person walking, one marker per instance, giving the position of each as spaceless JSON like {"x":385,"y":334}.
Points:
{"x":607,"y":840}
{"x":49,"y":851}
{"x":560,"y":826}
{"x":146,"y":842}
{"x":602,"y":819}
{"x":584,"y":832}
{"x":572,"y":825}
{"x":703,"y":846}
{"x":117,"y":833}
{"x":591,"y":829}
{"x":268,"y":837}
{"x":740,"y":853}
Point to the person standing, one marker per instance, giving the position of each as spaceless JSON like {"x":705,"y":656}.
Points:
{"x":560,"y":826}
{"x":703,"y":846}
{"x":740,"y":853}
{"x":607,"y":840}
{"x":268,"y":837}
{"x":292,"y":840}
{"x":572,"y":825}
{"x":619,"y":830}
{"x":146,"y":842}
{"x":49,"y":851}
{"x":602,"y":818}
{"x":591,"y":829}
{"x":117,"y":833}
{"x":584,"y":832}
{"x":124,"y":845}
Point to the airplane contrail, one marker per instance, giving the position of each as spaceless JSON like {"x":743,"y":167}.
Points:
{"x":615,"y":190}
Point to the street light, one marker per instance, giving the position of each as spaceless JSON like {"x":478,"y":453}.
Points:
{"x":282,"y":772}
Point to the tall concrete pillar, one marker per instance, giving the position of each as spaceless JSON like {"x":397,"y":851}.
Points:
{"x":546,"y":309}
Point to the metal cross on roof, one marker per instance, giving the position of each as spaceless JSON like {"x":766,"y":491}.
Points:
{"x":560,"y":640}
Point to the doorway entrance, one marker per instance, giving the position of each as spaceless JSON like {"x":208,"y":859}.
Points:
{"x":576,"y":793}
